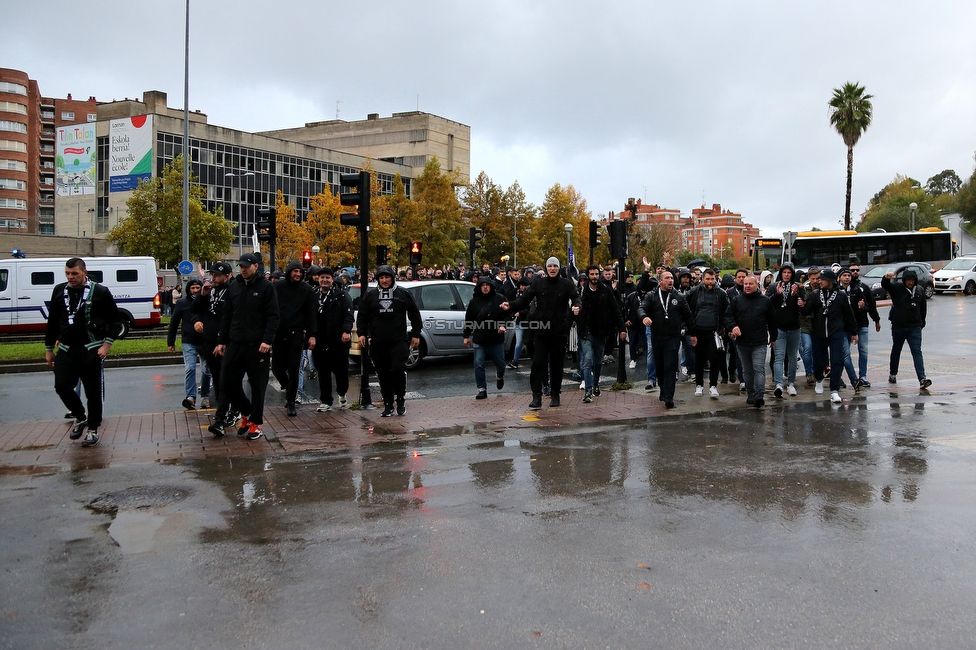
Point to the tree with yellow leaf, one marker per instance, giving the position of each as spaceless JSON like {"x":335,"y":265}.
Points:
{"x":339,"y":244}
{"x":292,"y":238}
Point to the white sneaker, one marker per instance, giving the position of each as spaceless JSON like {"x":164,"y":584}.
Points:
{"x":713,"y":391}
{"x":791,"y":390}
{"x":583,"y":385}
{"x":323,"y":408}
{"x":633,"y":364}
{"x":778,"y":391}
{"x":818,"y":388}
{"x":742,"y":385}
{"x":699,"y":390}
{"x":835,"y":397}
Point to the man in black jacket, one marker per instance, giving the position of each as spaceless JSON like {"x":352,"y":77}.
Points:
{"x":296,"y":313}
{"x":192,"y":341}
{"x":708,"y":304}
{"x":599,"y":317}
{"x":556,"y":298}
{"x":865,"y":307}
{"x":333,"y":339}
{"x":83,"y":322}
{"x":832,"y":320}
{"x":207,"y":313}
{"x":907,"y":316}
{"x":666,"y":312}
{"x":785,"y":294}
{"x":382,"y":324}
{"x":751,"y":322}
{"x":247,"y":331}
{"x":484,"y":327}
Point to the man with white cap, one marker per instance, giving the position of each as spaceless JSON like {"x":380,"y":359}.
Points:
{"x":556,"y":297}
{"x":832,"y":319}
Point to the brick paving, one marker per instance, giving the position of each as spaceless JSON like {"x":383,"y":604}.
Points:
{"x":174,"y":436}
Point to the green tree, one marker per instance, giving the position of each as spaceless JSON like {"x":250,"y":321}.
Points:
{"x":558,"y":209}
{"x":153,"y":224}
{"x":892,"y":212}
{"x":850,"y":115}
{"x":966,"y":202}
{"x":439,"y":225}
{"x":945,"y":182}
{"x":482,"y":208}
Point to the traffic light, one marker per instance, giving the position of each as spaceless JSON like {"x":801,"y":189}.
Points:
{"x":594,"y":234}
{"x":382,"y":254}
{"x":416,"y":253}
{"x":267,"y":230}
{"x":618,"y":239}
{"x":359,"y":198}
{"x":475,"y":237}
{"x":306,"y":259}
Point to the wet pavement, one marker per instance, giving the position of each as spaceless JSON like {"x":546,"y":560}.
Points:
{"x":480,"y":524}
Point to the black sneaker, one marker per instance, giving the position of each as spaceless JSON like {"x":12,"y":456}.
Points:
{"x":751,"y":401}
{"x":892,"y":379}
{"x":858,"y":385}
{"x":536,"y":402}
{"x":546,"y":390}
{"x":231,"y":418}
{"x":387,"y":411}
{"x":78,"y":429}
{"x":401,"y":408}
{"x":482,"y":394}
{"x":596,"y":391}
{"x":499,"y":383}
{"x":512,"y":365}
{"x":651,"y":385}
{"x":189,"y":404}
{"x":91,"y":437}
{"x":554,"y":402}
{"x":291,"y":410}
{"x":759,"y":402}
{"x":669,"y":404}
{"x":588,"y":397}
{"x":925,"y":383}
{"x":865,"y":383}
{"x":217,"y":429}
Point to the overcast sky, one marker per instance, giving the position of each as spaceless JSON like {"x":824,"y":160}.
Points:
{"x":670,"y":102}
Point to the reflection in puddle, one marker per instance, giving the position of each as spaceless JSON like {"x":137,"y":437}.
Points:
{"x":134,"y":530}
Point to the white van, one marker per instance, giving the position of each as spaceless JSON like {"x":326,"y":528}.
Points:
{"x":26,"y":286}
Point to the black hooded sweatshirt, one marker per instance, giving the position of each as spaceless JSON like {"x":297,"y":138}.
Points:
{"x":296,"y":303}
{"x":484,"y":316}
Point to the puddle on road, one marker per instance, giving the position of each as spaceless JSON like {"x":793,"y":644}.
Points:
{"x":134,"y":530}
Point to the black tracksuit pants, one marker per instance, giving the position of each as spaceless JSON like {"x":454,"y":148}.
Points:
{"x":389,"y":359}
{"x":76,"y":364}
{"x":245,"y":359}
{"x":332,"y":360}
{"x":286,"y":361}
{"x":547,"y":363}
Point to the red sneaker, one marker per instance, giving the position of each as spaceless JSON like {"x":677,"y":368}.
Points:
{"x":254,"y":432}
{"x":245,"y":424}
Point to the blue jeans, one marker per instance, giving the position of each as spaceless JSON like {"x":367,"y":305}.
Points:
{"x":862,"y":352}
{"x":591,"y":359}
{"x":519,"y":338}
{"x":806,"y":352}
{"x":496,"y":353}
{"x":848,"y":362}
{"x":688,"y":354}
{"x":191,"y":357}
{"x":753,"y":360}
{"x":649,"y":356}
{"x":913,"y":335}
{"x":784,"y":356}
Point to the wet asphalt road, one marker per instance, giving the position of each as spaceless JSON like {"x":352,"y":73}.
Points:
{"x":795,"y":526}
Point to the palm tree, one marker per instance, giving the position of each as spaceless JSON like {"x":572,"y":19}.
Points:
{"x":850,"y":114}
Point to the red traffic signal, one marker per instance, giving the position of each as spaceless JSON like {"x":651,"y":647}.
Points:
{"x":416,"y":252}
{"x":306,"y":259}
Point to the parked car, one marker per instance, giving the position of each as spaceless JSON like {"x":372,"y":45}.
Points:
{"x":442,"y":305}
{"x":871,"y":276}
{"x":957,"y":275}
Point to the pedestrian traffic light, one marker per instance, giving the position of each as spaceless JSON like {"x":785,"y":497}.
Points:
{"x":618,"y":239}
{"x":306,"y":259}
{"x":416,"y":253}
{"x":382,"y":254}
{"x":359,"y":198}
{"x":594,"y":234}
{"x":475,"y":237}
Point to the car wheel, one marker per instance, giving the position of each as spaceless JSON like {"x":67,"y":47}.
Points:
{"x":929,"y":291}
{"x":127,"y":324}
{"x":970,"y":288}
{"x":416,"y":355}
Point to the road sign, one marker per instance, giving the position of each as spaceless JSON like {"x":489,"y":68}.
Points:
{"x":789,"y":238}
{"x":185,"y":267}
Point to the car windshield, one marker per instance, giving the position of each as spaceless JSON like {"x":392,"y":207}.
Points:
{"x":960,"y":264}
{"x":878,"y":272}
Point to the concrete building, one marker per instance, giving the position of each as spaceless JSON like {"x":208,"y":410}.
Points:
{"x":410,"y":139}
{"x":709,"y":230}
{"x":240,"y":171}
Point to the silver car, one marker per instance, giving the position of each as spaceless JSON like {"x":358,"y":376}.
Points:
{"x":442,"y":306}
{"x":957,"y":275}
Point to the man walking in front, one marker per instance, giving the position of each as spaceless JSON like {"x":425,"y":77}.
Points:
{"x":599,"y":317}
{"x":192,"y":341}
{"x":785,"y":294}
{"x":865,"y":307}
{"x":247,"y":331}
{"x":832,"y":323}
{"x":83,"y":322}
{"x":907,"y":316}
{"x":207,"y":312}
{"x":708,"y":304}
{"x":556,"y":298}
{"x":382,"y":325}
{"x":666,"y":312}
{"x":333,"y":340}
{"x":751,"y":322}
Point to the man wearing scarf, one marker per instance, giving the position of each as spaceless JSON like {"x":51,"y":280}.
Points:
{"x":784,"y":294}
{"x":907,"y":316}
{"x":666,"y":312}
{"x":334,"y":329}
{"x":832,"y":319}
{"x":83,"y":322}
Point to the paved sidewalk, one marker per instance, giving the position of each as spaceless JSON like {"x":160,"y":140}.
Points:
{"x":174,"y":436}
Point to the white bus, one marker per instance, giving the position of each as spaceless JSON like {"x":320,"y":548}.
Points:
{"x":26,"y":286}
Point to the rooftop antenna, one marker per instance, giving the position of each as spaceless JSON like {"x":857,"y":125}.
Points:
{"x":337,"y":108}
{"x":418,"y":102}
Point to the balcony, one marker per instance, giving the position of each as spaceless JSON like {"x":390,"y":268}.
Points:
{"x":47,"y":134}
{"x":47,"y":199}
{"x":47,"y":116}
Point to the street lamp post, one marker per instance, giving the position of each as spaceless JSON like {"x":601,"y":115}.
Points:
{"x":240,"y":210}
{"x":569,"y":231}
{"x":912,"y":209}
{"x":315,"y":254}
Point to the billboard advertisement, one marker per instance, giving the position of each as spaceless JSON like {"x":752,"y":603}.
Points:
{"x":75,"y":155}
{"x":130,"y":152}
